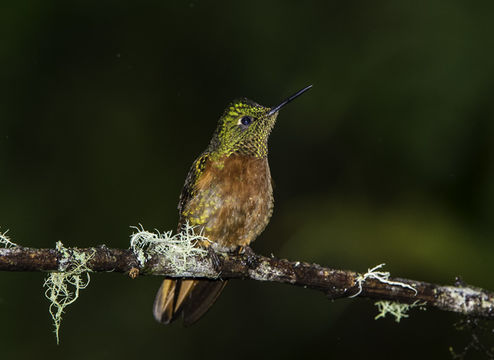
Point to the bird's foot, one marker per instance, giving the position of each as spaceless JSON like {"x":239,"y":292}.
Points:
{"x":215,"y":259}
{"x":251,"y":257}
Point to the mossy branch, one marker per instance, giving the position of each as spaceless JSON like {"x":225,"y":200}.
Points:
{"x":335,"y":284}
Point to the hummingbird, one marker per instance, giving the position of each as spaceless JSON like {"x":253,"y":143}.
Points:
{"x":227,"y":197}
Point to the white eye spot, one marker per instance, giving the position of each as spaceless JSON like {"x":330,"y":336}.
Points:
{"x":245,"y":121}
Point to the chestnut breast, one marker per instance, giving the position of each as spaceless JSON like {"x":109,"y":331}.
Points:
{"x":232,"y":200}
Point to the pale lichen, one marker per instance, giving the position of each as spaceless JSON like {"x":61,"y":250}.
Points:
{"x":175,"y":249}
{"x":396,"y":309}
{"x":381,"y":276}
{"x":5,"y":240}
{"x":264,"y":272}
{"x":465,"y":300}
{"x":63,"y":286}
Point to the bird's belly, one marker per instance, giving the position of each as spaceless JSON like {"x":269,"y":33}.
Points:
{"x":234,"y":208}
{"x":232,"y":220}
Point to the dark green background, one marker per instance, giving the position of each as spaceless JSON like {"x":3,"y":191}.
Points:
{"x":389,"y":158}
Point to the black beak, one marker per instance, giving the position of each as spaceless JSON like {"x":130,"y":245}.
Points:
{"x":286,"y":101}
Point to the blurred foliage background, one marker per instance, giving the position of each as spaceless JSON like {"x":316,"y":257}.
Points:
{"x":389,"y":158}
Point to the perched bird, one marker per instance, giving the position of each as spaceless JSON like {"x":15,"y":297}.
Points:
{"x":228,"y":196}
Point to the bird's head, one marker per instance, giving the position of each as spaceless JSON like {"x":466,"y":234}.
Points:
{"x":245,"y":126}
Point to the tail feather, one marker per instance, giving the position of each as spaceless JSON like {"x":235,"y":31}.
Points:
{"x":164,"y":302}
{"x":192,"y":298}
{"x":204,"y":295}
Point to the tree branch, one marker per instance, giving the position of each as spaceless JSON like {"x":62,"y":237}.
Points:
{"x":335,"y":284}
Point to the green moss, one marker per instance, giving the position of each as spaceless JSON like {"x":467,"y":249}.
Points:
{"x":62,"y":287}
{"x":5,"y":240}
{"x":176,"y":249}
{"x":396,"y":309}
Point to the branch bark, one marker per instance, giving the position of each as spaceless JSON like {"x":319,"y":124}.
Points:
{"x":335,"y":284}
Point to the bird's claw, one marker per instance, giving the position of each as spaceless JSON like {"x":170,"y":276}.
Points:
{"x":251,"y":257}
{"x":215,"y":259}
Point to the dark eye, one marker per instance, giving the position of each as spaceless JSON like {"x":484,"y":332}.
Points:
{"x":246,"y":120}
